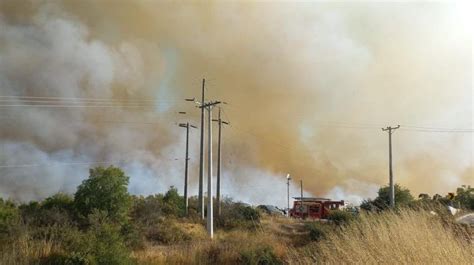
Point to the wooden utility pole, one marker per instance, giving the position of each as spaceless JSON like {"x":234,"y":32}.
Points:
{"x":390,"y":130}
{"x":186,"y":159}
{"x":218,"y":191}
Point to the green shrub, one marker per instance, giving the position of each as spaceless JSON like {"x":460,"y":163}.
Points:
{"x":101,"y":243}
{"x":173,"y":204}
{"x":403,"y":197}
{"x":339,"y":217}
{"x":133,"y":236}
{"x":59,"y":201}
{"x":261,"y":255}
{"x":465,"y":197}
{"x":66,"y":259}
{"x":317,"y":231}
{"x":9,"y":216}
{"x":147,"y":211}
{"x":54,"y":210}
{"x":237,"y":215}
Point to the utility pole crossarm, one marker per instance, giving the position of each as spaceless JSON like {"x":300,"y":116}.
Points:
{"x":389,"y":128}
{"x":203,"y":105}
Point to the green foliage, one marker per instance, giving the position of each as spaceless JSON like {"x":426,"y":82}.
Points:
{"x":59,"y":201}
{"x":106,"y":241}
{"x":317,"y":231}
{"x":55,"y":210}
{"x":403,"y":197}
{"x":9,"y":216}
{"x":65,"y":259}
{"x":339,"y":217}
{"x":133,"y":236}
{"x":173,"y":204}
{"x":465,"y":197}
{"x":236,"y":215}
{"x":147,"y":211}
{"x":104,"y":190}
{"x":31,"y":212}
{"x":260,"y":255}
{"x":101,"y":244}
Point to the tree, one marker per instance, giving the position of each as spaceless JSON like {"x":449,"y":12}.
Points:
{"x":403,"y":197}
{"x":8,"y":216}
{"x":105,"y":190}
{"x":465,"y":197}
{"x":173,"y":203}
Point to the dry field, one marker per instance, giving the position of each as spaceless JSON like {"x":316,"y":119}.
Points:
{"x":409,"y":237}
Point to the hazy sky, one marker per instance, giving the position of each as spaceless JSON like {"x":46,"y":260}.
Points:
{"x":309,"y":87}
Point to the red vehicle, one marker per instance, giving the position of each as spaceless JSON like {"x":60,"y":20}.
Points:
{"x":315,"y":208}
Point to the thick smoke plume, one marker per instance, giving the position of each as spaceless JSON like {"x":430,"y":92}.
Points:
{"x":309,"y":86}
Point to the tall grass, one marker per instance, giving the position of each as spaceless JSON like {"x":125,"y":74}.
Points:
{"x":235,"y":247}
{"x":25,"y":250}
{"x":406,"y":237}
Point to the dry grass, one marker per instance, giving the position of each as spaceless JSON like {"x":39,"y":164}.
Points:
{"x":226,"y":248}
{"x":409,"y":237}
{"x":25,"y":250}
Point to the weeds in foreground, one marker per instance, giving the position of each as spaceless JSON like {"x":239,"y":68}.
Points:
{"x":406,"y":237}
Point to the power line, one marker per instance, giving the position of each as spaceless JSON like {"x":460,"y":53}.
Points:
{"x":437,"y":131}
{"x":77,"y":106}
{"x":12,"y":98}
{"x":76,"y":163}
{"x":59,"y":164}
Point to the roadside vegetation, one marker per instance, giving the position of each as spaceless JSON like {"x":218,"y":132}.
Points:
{"x":103,"y":224}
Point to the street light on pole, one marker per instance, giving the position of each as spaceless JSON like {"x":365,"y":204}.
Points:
{"x":288,"y":178}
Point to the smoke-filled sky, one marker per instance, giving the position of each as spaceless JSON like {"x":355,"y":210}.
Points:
{"x":309,"y":87}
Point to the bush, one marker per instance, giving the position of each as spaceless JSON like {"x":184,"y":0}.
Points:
{"x":147,"y":211}
{"x":167,"y":232}
{"x":60,"y":201}
{"x":102,"y":243}
{"x":54,"y":210}
{"x":236,"y":215}
{"x":403,"y":197}
{"x":173,"y":204}
{"x":9,"y":216}
{"x":65,"y":259}
{"x":339,"y":217}
{"x":260,"y":255}
{"x":317,"y":231}
{"x":133,"y":236}
{"x":465,"y":197}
